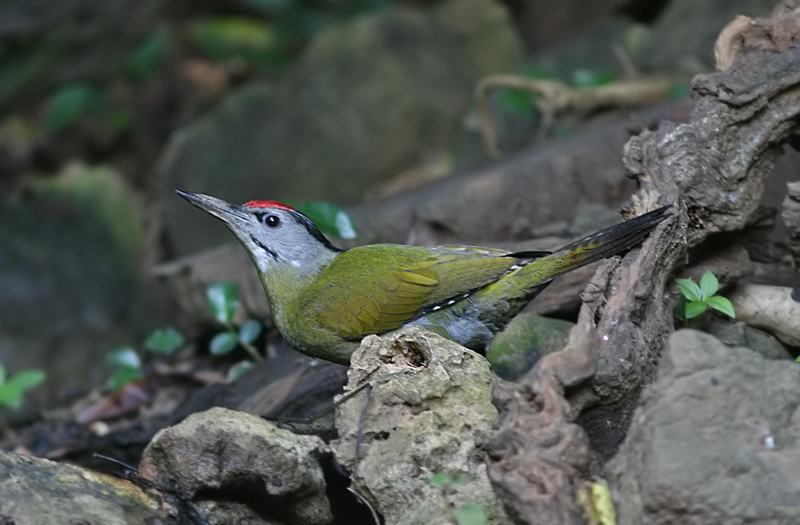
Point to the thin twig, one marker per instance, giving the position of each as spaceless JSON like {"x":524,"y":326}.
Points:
{"x":366,"y":502}
{"x":118,"y":462}
{"x":351,"y":488}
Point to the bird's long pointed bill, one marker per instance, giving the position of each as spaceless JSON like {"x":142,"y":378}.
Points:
{"x":216,"y":207}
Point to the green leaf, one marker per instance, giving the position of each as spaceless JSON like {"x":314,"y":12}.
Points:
{"x":27,"y":379}
{"x":2,"y":374}
{"x":695,"y":308}
{"x":164,"y":341}
{"x":146,"y":59}
{"x":10,"y":396}
{"x":602,"y":505}
{"x":122,"y":376}
{"x":238,"y":370}
{"x":690,"y":290}
{"x":69,"y":104}
{"x":11,"y":391}
{"x":222,"y":38}
{"x":223,"y":343}
{"x":518,"y":101}
{"x":329,"y":218}
{"x":721,"y":304}
{"x":223,"y":299}
{"x":680,"y":309}
{"x":522,"y":101}
{"x":708,"y":285}
{"x":125,"y":357}
{"x":249,"y":331}
{"x":469,"y":515}
{"x":440,"y":479}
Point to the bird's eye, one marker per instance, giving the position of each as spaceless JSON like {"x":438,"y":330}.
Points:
{"x":273,"y":221}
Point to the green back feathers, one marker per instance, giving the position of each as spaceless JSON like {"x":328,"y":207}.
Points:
{"x":378,"y":288}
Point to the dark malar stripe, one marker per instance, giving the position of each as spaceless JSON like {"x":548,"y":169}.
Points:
{"x":261,"y":245}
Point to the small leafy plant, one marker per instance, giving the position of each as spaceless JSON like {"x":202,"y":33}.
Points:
{"x":699,"y":298}
{"x":127,"y":363}
{"x":12,"y":389}
{"x":223,"y":299}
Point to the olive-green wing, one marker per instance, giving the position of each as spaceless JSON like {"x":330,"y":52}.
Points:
{"x":378,"y":288}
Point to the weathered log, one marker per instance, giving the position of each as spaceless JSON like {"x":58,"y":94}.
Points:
{"x":712,"y":170}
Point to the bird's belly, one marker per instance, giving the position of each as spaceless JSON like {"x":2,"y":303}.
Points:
{"x":466,"y":330}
